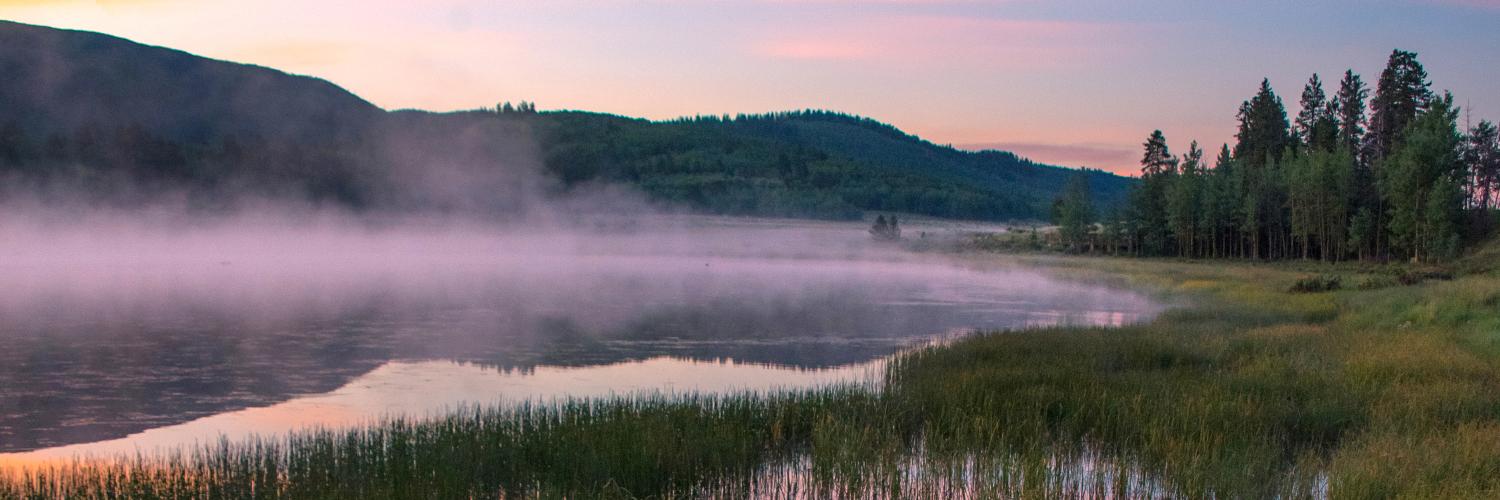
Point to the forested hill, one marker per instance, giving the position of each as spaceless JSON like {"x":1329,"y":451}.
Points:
{"x":125,"y":122}
{"x":803,"y":163}
{"x":58,"y":81}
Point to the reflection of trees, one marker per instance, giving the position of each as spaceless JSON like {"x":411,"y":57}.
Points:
{"x":97,"y":373}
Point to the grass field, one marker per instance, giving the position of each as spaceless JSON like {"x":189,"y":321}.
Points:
{"x":1247,"y":390}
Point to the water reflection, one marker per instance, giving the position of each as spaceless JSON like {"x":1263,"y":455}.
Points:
{"x":98,"y":353}
{"x":432,"y":387}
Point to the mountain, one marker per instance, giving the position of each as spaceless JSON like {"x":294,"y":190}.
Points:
{"x":121,"y":122}
{"x":61,"y":80}
{"x":803,"y":163}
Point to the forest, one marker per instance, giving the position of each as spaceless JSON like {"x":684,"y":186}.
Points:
{"x":814,"y":164}
{"x":1391,"y":175}
{"x":93,"y":117}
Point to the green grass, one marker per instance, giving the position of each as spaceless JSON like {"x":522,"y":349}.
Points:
{"x":1245,"y":390}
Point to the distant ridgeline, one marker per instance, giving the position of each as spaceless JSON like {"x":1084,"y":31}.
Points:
{"x":119,"y":122}
{"x":807,"y":163}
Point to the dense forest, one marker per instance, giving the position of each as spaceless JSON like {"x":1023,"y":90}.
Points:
{"x":1351,"y":176}
{"x":95,"y":117}
{"x":803,"y":164}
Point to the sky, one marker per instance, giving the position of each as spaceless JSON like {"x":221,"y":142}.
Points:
{"x":1069,"y":82}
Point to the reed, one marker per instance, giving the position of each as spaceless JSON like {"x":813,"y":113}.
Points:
{"x":1245,"y":390}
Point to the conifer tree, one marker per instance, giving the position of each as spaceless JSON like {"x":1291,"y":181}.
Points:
{"x":1263,"y":130}
{"x":1420,"y":181}
{"x":1349,"y":110}
{"x":1402,"y":93}
{"x":1076,"y":212}
{"x":1158,"y":158}
{"x":1148,"y":199}
{"x":1184,"y":201}
{"x":1314,"y":111}
{"x":1482,"y":157}
{"x":1220,"y":204}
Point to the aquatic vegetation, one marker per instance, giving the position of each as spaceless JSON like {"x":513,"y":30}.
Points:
{"x":1243,"y":391}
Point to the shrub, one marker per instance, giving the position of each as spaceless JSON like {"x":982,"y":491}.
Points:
{"x":1417,"y":276}
{"x":1319,"y":283}
{"x":1377,"y":282}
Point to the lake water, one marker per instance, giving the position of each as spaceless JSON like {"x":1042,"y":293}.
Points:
{"x":157,"y":341}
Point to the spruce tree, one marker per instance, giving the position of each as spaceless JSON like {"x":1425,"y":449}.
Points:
{"x":1075,"y":216}
{"x":1419,"y":179}
{"x":1183,"y":201}
{"x":1314,"y":111}
{"x":1264,"y":137}
{"x":1264,"y":132}
{"x":1158,"y":158}
{"x":1482,"y":157}
{"x":1148,"y":199}
{"x":1402,"y":93}
{"x":1349,"y":110}
{"x":1220,"y":202}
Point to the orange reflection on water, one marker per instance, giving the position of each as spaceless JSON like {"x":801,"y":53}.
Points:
{"x":432,"y":387}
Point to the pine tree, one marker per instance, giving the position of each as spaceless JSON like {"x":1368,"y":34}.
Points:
{"x":1264,"y":137}
{"x":1402,"y":93}
{"x":1314,"y":110}
{"x":1482,"y":157}
{"x":1220,"y":202}
{"x":1183,"y":201}
{"x":1148,"y":210}
{"x":1075,"y":216}
{"x":1264,"y":132}
{"x":1158,"y":158}
{"x":1349,"y":110}
{"x":1419,"y":179}
{"x":1363,"y":192}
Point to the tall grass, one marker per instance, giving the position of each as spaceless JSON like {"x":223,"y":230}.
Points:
{"x":1244,"y":391}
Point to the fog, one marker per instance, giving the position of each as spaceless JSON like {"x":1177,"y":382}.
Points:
{"x":130,"y":304}
{"x":232,"y":237}
{"x":119,"y":321}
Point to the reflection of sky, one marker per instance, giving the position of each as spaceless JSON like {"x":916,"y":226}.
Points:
{"x":1072,"y":82}
{"x":432,"y":387}
{"x":112,"y":330}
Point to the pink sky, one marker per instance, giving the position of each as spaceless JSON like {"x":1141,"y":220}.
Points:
{"x":1068,"y":82}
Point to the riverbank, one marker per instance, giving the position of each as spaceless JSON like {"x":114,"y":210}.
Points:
{"x":1245,"y":390}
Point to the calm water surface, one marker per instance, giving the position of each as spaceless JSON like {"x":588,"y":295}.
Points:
{"x":158,"y":351}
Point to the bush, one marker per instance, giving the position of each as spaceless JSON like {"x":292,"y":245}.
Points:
{"x":1377,"y":282}
{"x":1417,"y":276}
{"x":1319,"y":283}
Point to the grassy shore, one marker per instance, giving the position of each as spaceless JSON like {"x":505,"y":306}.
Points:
{"x":1380,"y":389}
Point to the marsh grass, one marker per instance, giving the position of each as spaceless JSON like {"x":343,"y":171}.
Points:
{"x":1243,"y":391}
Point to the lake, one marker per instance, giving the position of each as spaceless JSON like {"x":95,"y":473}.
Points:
{"x":129,"y":338}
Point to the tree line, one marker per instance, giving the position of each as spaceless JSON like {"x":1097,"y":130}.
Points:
{"x":1351,"y":176}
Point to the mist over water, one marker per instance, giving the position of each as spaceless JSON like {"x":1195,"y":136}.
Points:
{"x":118,"y":322}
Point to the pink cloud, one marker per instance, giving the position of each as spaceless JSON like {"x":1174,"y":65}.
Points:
{"x":1120,"y":159}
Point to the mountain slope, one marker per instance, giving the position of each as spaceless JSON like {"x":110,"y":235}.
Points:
{"x":129,"y":123}
{"x":61,"y":80}
{"x":807,"y":163}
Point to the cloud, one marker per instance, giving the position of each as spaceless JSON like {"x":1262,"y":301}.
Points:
{"x":1117,"y":158}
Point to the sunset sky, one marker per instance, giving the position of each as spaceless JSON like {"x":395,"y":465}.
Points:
{"x":1067,"y":82}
